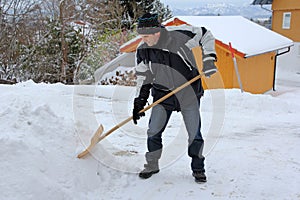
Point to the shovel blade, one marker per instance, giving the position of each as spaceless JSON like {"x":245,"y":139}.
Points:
{"x":95,"y":139}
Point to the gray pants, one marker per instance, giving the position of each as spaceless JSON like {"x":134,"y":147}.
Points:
{"x":157,"y":124}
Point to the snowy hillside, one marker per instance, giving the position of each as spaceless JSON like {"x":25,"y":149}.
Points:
{"x":252,"y":145}
{"x":224,"y":9}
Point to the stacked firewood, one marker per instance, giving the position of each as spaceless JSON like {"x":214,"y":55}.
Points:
{"x":2,"y":81}
{"x":126,"y":78}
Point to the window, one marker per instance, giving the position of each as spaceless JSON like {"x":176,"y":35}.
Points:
{"x":286,"y":22}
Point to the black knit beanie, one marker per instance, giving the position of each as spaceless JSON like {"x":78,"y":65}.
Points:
{"x":148,"y":24}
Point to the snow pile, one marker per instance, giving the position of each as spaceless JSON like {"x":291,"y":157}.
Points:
{"x":253,"y":155}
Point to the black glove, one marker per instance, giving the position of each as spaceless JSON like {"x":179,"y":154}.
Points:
{"x":140,"y":102}
{"x":209,"y":67}
{"x":138,"y":105}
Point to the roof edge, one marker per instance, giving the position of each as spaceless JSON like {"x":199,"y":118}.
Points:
{"x":262,"y":2}
{"x":271,"y":50}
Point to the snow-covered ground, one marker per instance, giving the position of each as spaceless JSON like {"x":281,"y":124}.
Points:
{"x":252,"y":145}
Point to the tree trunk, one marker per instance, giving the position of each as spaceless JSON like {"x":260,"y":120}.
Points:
{"x":64,"y":48}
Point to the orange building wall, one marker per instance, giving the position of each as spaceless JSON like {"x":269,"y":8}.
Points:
{"x":279,"y":7}
{"x":257,"y":72}
{"x":286,"y":4}
{"x":294,"y":32}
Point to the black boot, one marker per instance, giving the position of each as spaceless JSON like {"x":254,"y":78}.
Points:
{"x":148,"y":170}
{"x":199,"y":176}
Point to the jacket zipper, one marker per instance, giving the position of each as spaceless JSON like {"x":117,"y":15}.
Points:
{"x":173,"y":85}
{"x":150,"y":67}
{"x":187,"y":64}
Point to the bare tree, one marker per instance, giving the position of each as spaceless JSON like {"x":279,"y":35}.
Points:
{"x":56,"y":40}
{"x":16,"y":21}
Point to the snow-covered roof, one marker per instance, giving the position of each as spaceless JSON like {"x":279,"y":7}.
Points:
{"x":244,"y":35}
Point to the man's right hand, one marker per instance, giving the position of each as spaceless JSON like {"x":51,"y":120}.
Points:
{"x":138,"y":105}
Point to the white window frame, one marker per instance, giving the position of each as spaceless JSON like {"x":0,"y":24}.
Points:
{"x":286,"y":20}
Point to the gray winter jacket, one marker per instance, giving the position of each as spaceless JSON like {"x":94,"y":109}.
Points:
{"x":170,"y":63}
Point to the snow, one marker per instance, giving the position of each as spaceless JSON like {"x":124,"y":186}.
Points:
{"x":252,"y":145}
{"x":244,"y":35}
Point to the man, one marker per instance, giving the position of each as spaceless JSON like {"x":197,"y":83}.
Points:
{"x":164,"y":62}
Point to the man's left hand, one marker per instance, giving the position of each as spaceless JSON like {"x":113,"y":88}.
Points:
{"x":209,"y":67}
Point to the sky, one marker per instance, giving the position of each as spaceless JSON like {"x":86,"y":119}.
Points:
{"x":195,"y":3}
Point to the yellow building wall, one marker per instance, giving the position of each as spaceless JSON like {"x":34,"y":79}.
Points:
{"x":279,"y":7}
{"x":294,"y":32}
{"x":257,"y":72}
{"x":286,"y":4}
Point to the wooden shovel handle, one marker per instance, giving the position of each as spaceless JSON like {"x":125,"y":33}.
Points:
{"x":153,"y":104}
{"x":98,"y":136}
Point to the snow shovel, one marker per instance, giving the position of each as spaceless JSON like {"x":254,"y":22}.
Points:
{"x":98,"y":136}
